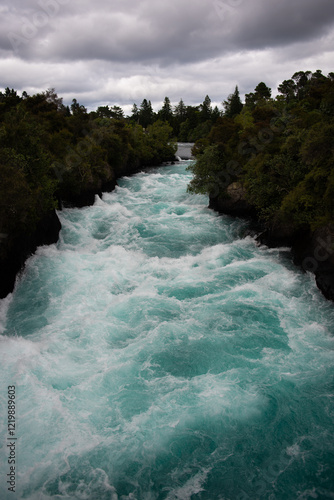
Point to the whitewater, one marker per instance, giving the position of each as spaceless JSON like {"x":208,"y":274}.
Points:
{"x":157,"y":352}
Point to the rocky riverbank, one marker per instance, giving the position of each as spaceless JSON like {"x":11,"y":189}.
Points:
{"x":312,"y":251}
{"x":14,"y":251}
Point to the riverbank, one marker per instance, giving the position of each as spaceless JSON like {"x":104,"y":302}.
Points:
{"x":15,"y":251}
{"x":54,"y":158}
{"x":312,"y":251}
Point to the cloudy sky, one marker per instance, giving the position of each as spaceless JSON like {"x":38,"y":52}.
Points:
{"x":122,"y":51}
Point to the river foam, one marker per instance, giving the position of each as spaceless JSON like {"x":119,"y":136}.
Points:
{"x":158,"y":353}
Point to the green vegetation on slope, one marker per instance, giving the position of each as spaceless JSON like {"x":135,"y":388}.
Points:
{"x":280,"y":150}
{"x":49,"y":153}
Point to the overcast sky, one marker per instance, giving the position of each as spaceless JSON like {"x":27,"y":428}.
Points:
{"x":118,"y":52}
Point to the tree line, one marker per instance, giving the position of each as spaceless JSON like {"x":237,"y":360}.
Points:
{"x":277,"y":151}
{"x":189,"y":123}
{"x":52,"y":154}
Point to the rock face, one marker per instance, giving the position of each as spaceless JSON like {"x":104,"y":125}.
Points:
{"x":234,"y":203}
{"x":15,"y":252}
{"x":312,"y":251}
{"x":322,"y":259}
{"x":87,"y":197}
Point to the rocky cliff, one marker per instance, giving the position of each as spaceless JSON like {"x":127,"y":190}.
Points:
{"x":312,"y":251}
{"x":15,"y":251}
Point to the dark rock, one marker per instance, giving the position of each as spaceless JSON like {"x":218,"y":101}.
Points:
{"x":233,"y":203}
{"x":84,"y":199}
{"x":17,"y":250}
{"x":325,"y":282}
{"x":321,"y":259}
{"x":284,"y":235}
{"x":313,"y":251}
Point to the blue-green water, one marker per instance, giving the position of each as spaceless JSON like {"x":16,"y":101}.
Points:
{"x":157,"y":353}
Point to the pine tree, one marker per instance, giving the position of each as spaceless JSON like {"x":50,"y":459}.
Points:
{"x":135,"y":113}
{"x":166,"y":113}
{"x":180,"y":110}
{"x":233,"y":104}
{"x":146,"y":113}
{"x":206,"y":109}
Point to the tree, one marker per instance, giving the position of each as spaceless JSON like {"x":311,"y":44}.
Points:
{"x":52,"y":97}
{"x":117,"y":112}
{"x":215,"y":114}
{"x":10,"y":92}
{"x":159,"y":139}
{"x":262,"y":91}
{"x":146,"y":113}
{"x":9,"y":99}
{"x":206,"y":109}
{"x":301,"y":78}
{"x":288,"y":89}
{"x":207,"y":168}
{"x":77,"y":109}
{"x":180,"y":110}
{"x":179,"y":115}
{"x":250,"y":100}
{"x":104,"y":112}
{"x":135,"y":113}
{"x":233,"y":105}
{"x":166,"y":113}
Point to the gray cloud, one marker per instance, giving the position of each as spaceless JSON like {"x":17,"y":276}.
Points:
{"x":286,"y":23}
{"x":126,"y":50}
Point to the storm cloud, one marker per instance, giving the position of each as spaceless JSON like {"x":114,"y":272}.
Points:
{"x":122,"y":51}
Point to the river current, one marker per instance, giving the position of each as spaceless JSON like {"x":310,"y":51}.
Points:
{"x":158,"y":353}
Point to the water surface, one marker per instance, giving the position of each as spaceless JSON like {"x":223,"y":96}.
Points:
{"x":158,"y":353}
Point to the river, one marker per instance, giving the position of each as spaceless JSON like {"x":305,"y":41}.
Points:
{"x":158,"y":353}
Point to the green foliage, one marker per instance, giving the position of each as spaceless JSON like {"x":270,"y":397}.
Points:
{"x":288,"y":89}
{"x":146,"y":115}
{"x":200,"y":131}
{"x":160,"y":142}
{"x":22,"y":201}
{"x":206,"y":109}
{"x":245,"y":119}
{"x":166,"y":113}
{"x":199,"y":147}
{"x":206,"y":170}
{"x":269,"y":179}
{"x":233,"y":104}
{"x":284,"y":150}
{"x":49,"y":152}
{"x":261,"y":93}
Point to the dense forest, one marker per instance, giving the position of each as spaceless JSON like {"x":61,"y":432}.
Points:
{"x":281,"y":150}
{"x":189,"y":123}
{"x":268,"y":157}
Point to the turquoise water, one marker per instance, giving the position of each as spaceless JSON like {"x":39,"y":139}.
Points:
{"x":158,"y":353}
